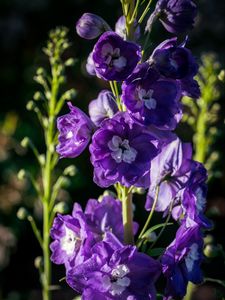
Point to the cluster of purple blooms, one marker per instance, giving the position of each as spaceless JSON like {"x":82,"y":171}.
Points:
{"x":135,"y":147}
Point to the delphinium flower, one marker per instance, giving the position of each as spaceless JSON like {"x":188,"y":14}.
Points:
{"x":70,"y":235}
{"x":75,"y":235}
{"x":176,"y":62}
{"x":90,"y":67}
{"x":114,"y":58}
{"x":120,"y":28}
{"x":152,"y":100}
{"x":90,"y":26}
{"x":75,"y":129}
{"x":115,"y":271}
{"x":177,"y":16}
{"x":169,"y":174}
{"x":181,"y":261}
{"x":103,"y":107}
{"x":193,"y":199}
{"x":121,"y":151}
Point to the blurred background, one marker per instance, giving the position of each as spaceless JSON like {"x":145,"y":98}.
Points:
{"x":24,"y":27}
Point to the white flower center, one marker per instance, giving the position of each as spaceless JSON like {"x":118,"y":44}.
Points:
{"x":191,"y":257}
{"x":121,"y":150}
{"x":113,"y":58}
{"x":200,"y":200}
{"x":146,"y":96}
{"x":69,"y":241}
{"x":119,"y":281}
{"x":69,"y":134}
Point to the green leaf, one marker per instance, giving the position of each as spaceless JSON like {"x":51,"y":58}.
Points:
{"x":153,"y":228}
{"x":156,"y":251}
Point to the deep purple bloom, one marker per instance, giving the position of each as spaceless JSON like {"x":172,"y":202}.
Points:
{"x":90,"y":26}
{"x":114,"y":58}
{"x":103,"y":107}
{"x":69,"y":235}
{"x":152,"y":100}
{"x":121,"y":151}
{"x":177,"y":62}
{"x":193,"y":199}
{"x":120,"y":28}
{"x":181,"y":261}
{"x":106,"y":216}
{"x":115,"y":271}
{"x":177,"y":16}
{"x":170,"y":171}
{"x":90,"y":66}
{"x":75,"y":235}
{"x":75,"y":129}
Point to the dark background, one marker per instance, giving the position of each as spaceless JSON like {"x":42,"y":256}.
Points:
{"x":24,"y":27}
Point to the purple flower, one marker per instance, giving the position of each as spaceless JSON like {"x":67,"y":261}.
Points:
{"x":90,"y":26}
{"x":181,"y":261}
{"x":193,"y":199}
{"x":177,"y":16}
{"x":169,"y":174}
{"x":90,"y":66}
{"x":69,"y":235}
{"x":114,"y":58}
{"x":121,"y":151}
{"x":120,"y":28}
{"x":106,"y":216}
{"x":177,"y":62}
{"x":75,"y":129}
{"x":115,"y":271}
{"x":103,"y":107}
{"x":75,"y":235}
{"x":152,"y":100}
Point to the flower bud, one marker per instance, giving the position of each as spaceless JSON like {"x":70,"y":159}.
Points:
{"x":90,"y":26}
{"x":30,"y":105}
{"x":37,"y":96}
{"x":38,"y":262}
{"x":61,"y":208}
{"x":69,"y":62}
{"x":22,"y":213}
{"x":21,"y":174}
{"x":221,"y":76}
{"x":70,"y":171}
{"x":211,"y":251}
{"x":25,"y":142}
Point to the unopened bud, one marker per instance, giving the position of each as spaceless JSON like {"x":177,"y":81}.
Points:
{"x":70,"y":171}
{"x":21,"y":174}
{"x":22,"y":213}
{"x":69,"y":62}
{"x":25,"y":142}
{"x":38,"y":262}
{"x":37,"y":96}
{"x":221,"y":75}
{"x":61,"y":208}
{"x":40,"y":71}
{"x":106,"y":193}
{"x":211,"y":251}
{"x":90,"y":26}
{"x":42,"y":159}
{"x":208,"y":239}
{"x":30,"y":105}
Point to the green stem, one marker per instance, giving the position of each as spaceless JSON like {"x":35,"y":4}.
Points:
{"x":127,"y":212}
{"x":190,"y":289}
{"x":145,"y":12}
{"x":47,"y":184}
{"x":200,"y":136}
{"x":151,"y":213}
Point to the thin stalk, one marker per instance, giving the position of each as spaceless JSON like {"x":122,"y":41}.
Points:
{"x":145,"y":12}
{"x":151,"y":213}
{"x":127,"y":212}
{"x":47,"y":184}
{"x":200,"y":136}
